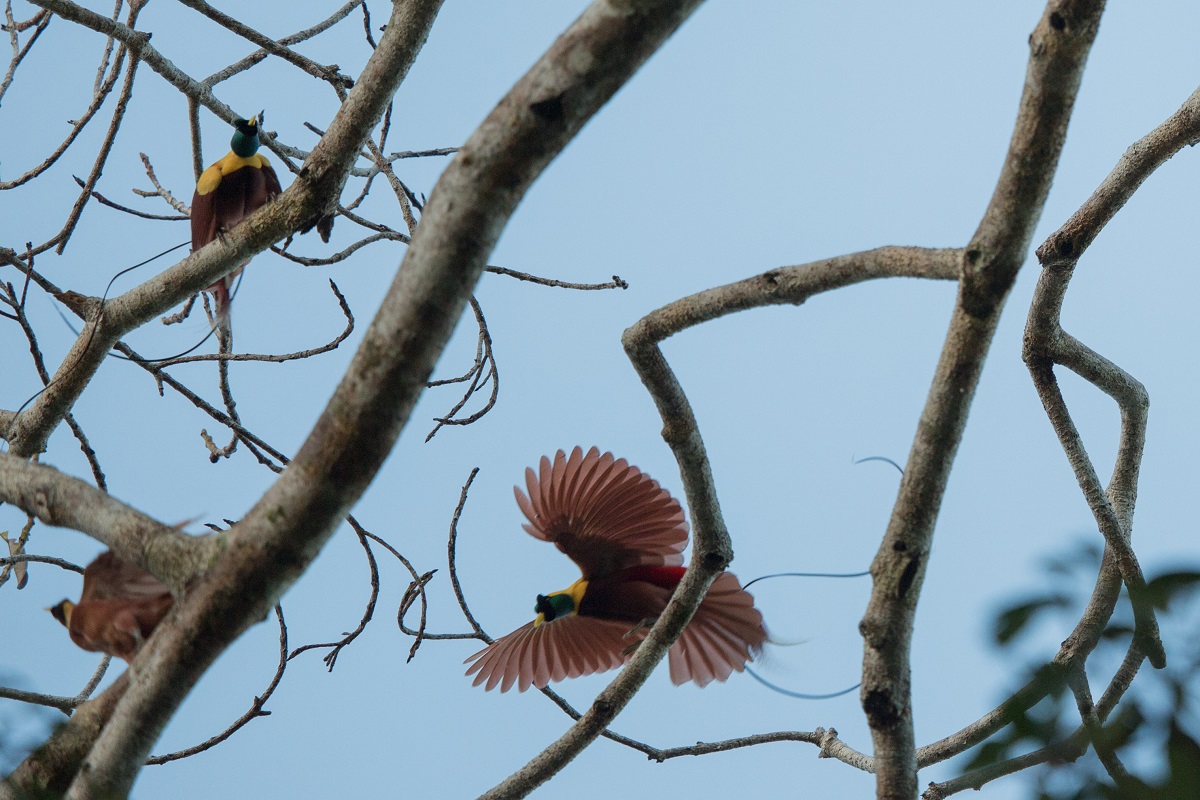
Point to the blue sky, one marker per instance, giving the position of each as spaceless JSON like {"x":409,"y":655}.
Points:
{"x":762,"y":135}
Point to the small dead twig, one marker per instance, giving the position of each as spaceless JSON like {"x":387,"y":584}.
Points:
{"x":254,"y":712}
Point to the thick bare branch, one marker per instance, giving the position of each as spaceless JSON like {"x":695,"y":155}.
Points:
{"x":464,"y":217}
{"x":64,"y":501}
{"x":795,"y":285}
{"x":1059,"y":47}
{"x":49,"y":769}
{"x":1065,"y":246}
{"x":261,"y":563}
{"x":1046,"y":344}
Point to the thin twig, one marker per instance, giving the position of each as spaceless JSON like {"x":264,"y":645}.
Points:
{"x":452,"y":559}
{"x":337,"y":647}
{"x":483,"y":370}
{"x":159,"y":191}
{"x":615,"y":283}
{"x":254,"y":712}
{"x":277,"y":358}
{"x":342,"y":255}
{"x":104,"y":201}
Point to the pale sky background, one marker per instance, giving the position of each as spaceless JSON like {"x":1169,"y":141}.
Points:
{"x":763,"y":134}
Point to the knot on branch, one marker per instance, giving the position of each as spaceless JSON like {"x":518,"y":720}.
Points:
{"x":549,"y":110}
{"x":603,"y":708}
{"x":81,"y":304}
{"x":1059,"y":252}
{"x":43,"y":508}
{"x":908,"y":576}
{"x":716,"y":560}
{"x":883,"y":713}
{"x":825,"y":739}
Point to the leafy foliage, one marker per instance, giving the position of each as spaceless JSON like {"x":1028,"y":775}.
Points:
{"x":1155,"y":724}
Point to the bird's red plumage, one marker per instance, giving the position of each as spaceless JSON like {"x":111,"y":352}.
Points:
{"x":118,"y":609}
{"x":627,"y":534}
{"x":667,"y":577}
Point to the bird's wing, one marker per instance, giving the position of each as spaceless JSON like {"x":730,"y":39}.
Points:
{"x":726,"y":632}
{"x":535,"y":655}
{"x":204,"y":208}
{"x":110,"y":577}
{"x":272,"y":180}
{"x":603,"y":513}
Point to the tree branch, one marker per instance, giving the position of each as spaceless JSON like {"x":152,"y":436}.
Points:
{"x":466,"y":212}
{"x":213,"y":614}
{"x":1059,"y":47}
{"x":64,"y":501}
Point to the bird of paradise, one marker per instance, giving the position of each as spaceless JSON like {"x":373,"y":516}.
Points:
{"x":119,"y":608}
{"x":228,"y":191}
{"x":626,"y":534}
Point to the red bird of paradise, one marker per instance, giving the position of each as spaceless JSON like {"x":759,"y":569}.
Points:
{"x":228,"y":192}
{"x":626,"y":533}
{"x":119,"y":608}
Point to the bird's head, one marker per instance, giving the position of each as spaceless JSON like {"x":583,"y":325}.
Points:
{"x":62,"y":612}
{"x":559,"y":604}
{"x":245,"y":135}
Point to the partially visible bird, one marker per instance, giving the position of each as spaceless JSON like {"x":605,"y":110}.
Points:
{"x":119,"y":608}
{"x":626,"y":533}
{"x":228,"y":191}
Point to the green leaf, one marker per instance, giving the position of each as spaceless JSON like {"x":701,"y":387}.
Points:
{"x":990,"y":753}
{"x":1165,"y":588}
{"x":1183,"y":756}
{"x":1010,"y":622}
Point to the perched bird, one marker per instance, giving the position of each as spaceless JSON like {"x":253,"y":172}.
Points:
{"x":228,"y":191}
{"x":119,"y":608}
{"x":626,"y":533}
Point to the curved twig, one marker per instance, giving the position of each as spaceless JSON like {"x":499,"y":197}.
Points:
{"x":1047,"y":344}
{"x":342,"y":255}
{"x":272,"y":359}
{"x":483,"y":370}
{"x":452,"y":559}
{"x":254,"y":712}
{"x":336,"y":648}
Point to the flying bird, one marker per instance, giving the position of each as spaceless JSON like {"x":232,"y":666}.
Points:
{"x":227,"y":192}
{"x":626,"y":534}
{"x":119,"y":608}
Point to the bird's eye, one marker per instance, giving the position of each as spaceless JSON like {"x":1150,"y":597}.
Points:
{"x":544,"y":607}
